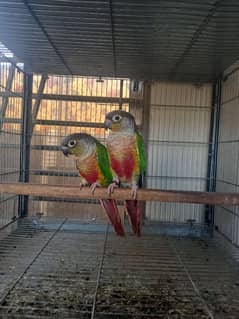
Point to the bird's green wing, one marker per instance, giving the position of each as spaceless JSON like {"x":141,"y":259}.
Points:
{"x":104,"y":163}
{"x":142,"y":155}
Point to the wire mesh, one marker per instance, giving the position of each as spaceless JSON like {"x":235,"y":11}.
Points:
{"x":227,"y":218}
{"x":68,"y":268}
{"x":11,"y":91}
{"x":186,"y":40}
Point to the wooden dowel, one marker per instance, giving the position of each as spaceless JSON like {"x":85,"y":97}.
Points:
{"x":68,"y":191}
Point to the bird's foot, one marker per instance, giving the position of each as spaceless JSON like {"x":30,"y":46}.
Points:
{"x":83,"y":185}
{"x":93,"y":187}
{"x":112,"y":186}
{"x":134,"y":190}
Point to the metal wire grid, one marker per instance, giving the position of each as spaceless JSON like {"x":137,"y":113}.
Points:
{"x":187,"y":40}
{"x":82,"y":86}
{"x":11,"y":91}
{"x":227,"y":218}
{"x":71,"y":269}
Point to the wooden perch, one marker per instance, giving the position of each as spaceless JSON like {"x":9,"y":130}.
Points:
{"x":67,"y":191}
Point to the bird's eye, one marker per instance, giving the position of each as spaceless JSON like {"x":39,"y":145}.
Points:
{"x":71,"y":143}
{"x":116,"y":118}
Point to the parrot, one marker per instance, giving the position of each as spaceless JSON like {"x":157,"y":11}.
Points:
{"x":92,"y":162}
{"x":127,"y":159}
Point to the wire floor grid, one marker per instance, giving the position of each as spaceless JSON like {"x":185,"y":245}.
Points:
{"x":51,"y":268}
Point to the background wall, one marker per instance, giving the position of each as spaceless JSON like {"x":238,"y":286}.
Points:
{"x":178,"y":146}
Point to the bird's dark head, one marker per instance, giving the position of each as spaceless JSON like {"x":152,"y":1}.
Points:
{"x":120,"y":121}
{"x":77,"y":144}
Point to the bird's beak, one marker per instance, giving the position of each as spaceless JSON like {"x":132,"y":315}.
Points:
{"x":65,"y":150}
{"x":108,"y":124}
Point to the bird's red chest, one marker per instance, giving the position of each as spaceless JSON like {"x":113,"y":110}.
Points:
{"x":123,"y":168}
{"x":88,"y":168}
{"x":91,"y":177}
{"x":123,"y":156}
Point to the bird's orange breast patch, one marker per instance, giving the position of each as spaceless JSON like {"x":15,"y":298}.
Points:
{"x":89,"y":169}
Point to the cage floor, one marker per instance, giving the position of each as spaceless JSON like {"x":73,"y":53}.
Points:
{"x":57,"y":268}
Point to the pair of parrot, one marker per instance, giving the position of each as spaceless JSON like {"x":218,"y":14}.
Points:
{"x":121,"y":163}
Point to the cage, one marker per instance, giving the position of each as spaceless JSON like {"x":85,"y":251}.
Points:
{"x":173,"y":65}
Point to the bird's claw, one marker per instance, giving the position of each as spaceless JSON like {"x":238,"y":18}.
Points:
{"x":111,"y":187}
{"x":93,"y":187}
{"x":134,"y":190}
{"x":83,"y":185}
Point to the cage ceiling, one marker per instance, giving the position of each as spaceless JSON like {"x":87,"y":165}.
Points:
{"x":183,"y":40}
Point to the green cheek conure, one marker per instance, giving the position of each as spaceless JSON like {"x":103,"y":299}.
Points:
{"x":92,"y":161}
{"x":127,"y":159}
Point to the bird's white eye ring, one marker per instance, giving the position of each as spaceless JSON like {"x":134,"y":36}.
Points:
{"x":116,"y":118}
{"x":71,"y":143}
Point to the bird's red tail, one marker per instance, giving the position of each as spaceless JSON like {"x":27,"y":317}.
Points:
{"x":112,"y":211}
{"x":133,"y":211}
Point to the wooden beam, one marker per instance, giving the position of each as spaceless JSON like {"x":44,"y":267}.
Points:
{"x":68,"y":191}
{"x":72,"y":98}
{"x":81,"y":98}
{"x":70,"y":123}
{"x":6,"y":94}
